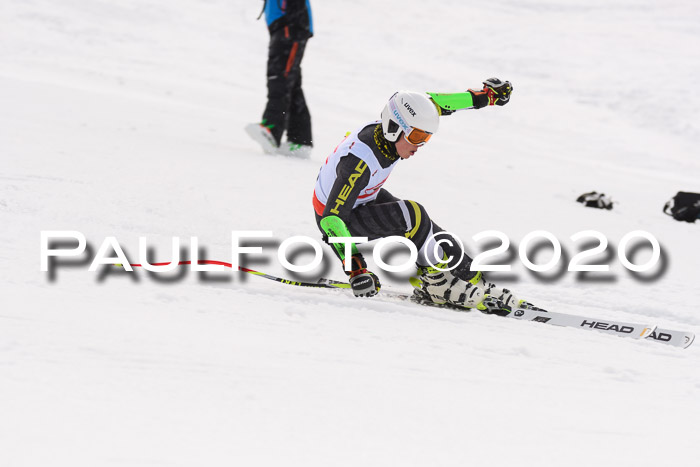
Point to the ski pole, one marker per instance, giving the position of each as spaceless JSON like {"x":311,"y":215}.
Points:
{"x":322,"y":283}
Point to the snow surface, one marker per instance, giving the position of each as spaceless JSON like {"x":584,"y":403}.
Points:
{"x":125,"y":118}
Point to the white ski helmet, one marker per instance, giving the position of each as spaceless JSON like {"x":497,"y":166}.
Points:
{"x":406,"y":111}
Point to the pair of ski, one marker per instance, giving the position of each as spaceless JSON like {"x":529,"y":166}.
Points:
{"x":617,"y":328}
{"x":623,"y":329}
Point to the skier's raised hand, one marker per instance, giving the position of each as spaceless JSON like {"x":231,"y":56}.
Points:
{"x":497,"y":91}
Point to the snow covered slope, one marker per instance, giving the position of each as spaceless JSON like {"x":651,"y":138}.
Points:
{"x":125,"y":118}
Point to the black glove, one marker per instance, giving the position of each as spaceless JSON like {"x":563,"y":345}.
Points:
{"x":498,"y":91}
{"x":594,"y":199}
{"x":495,"y":92}
{"x":363,"y":282}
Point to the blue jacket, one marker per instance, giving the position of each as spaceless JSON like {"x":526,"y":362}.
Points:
{"x":292,"y":14}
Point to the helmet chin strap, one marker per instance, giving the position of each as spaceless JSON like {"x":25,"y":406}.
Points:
{"x":387,"y":148}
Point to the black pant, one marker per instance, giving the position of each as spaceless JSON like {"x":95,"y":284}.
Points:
{"x":384,"y":217}
{"x":286,"y":107}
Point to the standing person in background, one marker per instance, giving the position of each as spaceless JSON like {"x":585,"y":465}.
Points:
{"x":290,"y":25}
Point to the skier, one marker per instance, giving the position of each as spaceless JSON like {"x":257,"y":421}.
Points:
{"x":349,"y":200}
{"x":290,"y":25}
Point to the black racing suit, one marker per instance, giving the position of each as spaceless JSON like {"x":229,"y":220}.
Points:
{"x":384,"y":216}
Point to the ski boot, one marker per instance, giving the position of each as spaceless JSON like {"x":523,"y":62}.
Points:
{"x":493,"y":306}
{"x":444,"y":287}
{"x":302,"y":151}
{"x":460,"y":290}
{"x":263,"y":136}
{"x":505,"y":295}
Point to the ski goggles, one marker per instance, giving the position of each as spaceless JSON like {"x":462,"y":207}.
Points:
{"x":417,"y":137}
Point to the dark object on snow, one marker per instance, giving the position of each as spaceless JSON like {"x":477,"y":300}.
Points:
{"x":595,"y":200}
{"x":685,"y":206}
